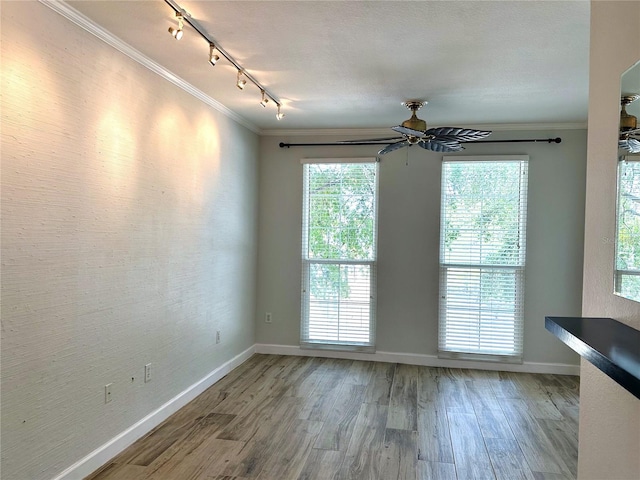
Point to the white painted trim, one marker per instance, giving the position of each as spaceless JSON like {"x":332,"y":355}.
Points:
{"x":117,"y":444}
{"x":422,"y":360}
{"x":109,"y":38}
{"x":385,"y":132}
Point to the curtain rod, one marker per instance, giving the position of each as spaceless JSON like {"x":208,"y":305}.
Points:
{"x":373,"y":142}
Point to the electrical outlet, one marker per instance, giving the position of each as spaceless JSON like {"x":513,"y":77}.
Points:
{"x":107,"y":393}
{"x":217,"y":336}
{"x":267,"y":317}
{"x":147,"y":373}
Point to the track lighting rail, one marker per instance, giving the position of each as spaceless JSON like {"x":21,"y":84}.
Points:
{"x":384,"y":141}
{"x":203,"y":33}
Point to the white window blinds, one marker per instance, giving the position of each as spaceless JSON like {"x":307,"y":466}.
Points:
{"x":482,"y":257}
{"x":339,"y":254}
{"x":627,"y":279}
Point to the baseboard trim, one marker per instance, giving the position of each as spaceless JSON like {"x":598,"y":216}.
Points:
{"x":104,"y":453}
{"x":422,"y":360}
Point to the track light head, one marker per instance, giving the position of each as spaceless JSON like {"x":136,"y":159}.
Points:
{"x":213,"y":58}
{"x":177,"y":32}
{"x":264,"y":100}
{"x":240,"y":82}
{"x":279,"y":115}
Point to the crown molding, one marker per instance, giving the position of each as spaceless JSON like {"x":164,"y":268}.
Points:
{"x":499,"y":127}
{"x":73,"y":15}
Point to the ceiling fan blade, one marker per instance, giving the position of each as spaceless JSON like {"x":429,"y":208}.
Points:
{"x":408,"y":131}
{"x":633,"y":145}
{"x":436,"y":146}
{"x":458,"y":134}
{"x":393,"y":146}
{"x":381,"y":140}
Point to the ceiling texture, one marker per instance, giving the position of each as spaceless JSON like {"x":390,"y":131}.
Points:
{"x":350,"y":64}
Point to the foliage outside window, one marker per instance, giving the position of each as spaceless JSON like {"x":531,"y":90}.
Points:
{"x":482,"y":256}
{"x":339,"y":254}
{"x":627,"y":276}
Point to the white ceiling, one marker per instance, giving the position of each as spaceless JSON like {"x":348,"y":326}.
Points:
{"x":349,"y":64}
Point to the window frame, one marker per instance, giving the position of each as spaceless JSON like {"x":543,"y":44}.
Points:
{"x":517,"y":269}
{"x":307,"y":263}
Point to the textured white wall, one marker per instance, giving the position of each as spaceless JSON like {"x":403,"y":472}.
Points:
{"x":129,"y":226}
{"x":408,"y":234}
{"x":609,"y":443}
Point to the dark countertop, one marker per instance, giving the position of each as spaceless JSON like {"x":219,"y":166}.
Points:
{"x":611,"y":346}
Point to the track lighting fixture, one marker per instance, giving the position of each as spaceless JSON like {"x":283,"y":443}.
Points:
{"x":264,"y":100}
{"x":213,"y":58}
{"x":240,"y":82}
{"x":177,"y":32}
{"x":216,"y":52}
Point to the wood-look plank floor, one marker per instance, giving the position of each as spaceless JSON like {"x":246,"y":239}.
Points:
{"x":295,"y":418}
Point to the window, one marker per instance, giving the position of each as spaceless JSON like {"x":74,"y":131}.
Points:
{"x":482,"y":257}
{"x":339,"y":253}
{"x":627,"y":279}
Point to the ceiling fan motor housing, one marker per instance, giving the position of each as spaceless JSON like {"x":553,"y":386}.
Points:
{"x":414,"y":123}
{"x":627,"y":121}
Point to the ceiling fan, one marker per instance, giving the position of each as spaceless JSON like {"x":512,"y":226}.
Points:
{"x":629,"y":132}
{"x":414,"y":132}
